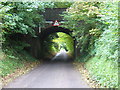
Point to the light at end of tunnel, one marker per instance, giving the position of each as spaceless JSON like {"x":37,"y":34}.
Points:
{"x":62,"y":50}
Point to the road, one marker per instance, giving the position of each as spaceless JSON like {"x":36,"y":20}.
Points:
{"x":54,"y":74}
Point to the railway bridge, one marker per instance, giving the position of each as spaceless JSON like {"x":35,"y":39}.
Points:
{"x":53,"y":20}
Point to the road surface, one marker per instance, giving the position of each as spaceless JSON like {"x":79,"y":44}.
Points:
{"x":54,"y":74}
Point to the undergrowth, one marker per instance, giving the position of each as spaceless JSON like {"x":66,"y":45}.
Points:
{"x":12,"y":61}
{"x":104,"y":72}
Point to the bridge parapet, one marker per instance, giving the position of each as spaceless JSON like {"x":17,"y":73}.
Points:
{"x":52,"y":14}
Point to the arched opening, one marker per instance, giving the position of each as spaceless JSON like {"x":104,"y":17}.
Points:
{"x":46,"y":32}
{"x":58,"y":44}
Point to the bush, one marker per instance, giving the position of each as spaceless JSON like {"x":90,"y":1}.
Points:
{"x":95,"y":27}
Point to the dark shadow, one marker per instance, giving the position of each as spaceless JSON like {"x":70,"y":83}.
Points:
{"x":54,"y":29}
{"x":46,"y":32}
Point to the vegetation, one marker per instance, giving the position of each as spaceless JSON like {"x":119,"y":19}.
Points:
{"x":21,"y":18}
{"x":62,"y":4}
{"x":18,"y":18}
{"x":57,"y":41}
{"x":94,"y":26}
{"x":13,"y":61}
{"x":64,"y":41}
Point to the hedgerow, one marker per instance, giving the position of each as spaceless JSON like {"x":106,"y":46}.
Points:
{"x":95,"y":27}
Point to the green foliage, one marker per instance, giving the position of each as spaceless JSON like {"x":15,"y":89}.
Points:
{"x":47,"y":43}
{"x":13,"y":60}
{"x":95,"y":27}
{"x":57,"y":41}
{"x":22,"y":17}
{"x":64,"y":41}
{"x":62,"y":4}
{"x":18,"y":18}
{"x":104,"y":72}
{"x":81,"y":19}
{"x":109,"y":38}
{"x":106,"y":48}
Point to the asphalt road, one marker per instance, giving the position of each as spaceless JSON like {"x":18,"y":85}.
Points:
{"x":54,"y":74}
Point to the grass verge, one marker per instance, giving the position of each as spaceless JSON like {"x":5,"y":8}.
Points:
{"x":15,"y":64}
{"x":99,"y":73}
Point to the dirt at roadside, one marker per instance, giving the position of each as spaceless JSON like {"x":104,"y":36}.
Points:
{"x":27,"y":67}
{"x":86,"y":76}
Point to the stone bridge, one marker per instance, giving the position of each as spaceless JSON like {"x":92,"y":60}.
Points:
{"x":50,"y":16}
{"x":53,"y":14}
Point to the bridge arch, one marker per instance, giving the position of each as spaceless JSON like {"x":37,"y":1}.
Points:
{"x":54,"y":29}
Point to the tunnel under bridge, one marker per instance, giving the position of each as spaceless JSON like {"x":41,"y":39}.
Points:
{"x":50,"y":16}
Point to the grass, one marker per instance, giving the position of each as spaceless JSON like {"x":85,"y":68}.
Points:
{"x":10,"y":65}
{"x":1,"y":55}
{"x":105,"y":72}
{"x":11,"y":62}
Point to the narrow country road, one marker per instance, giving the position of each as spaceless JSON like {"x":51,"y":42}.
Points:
{"x":54,"y":74}
{"x":50,"y":75}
